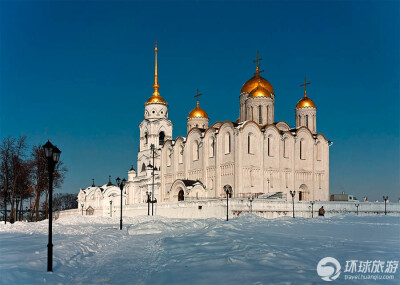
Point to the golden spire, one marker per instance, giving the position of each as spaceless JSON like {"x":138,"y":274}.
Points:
{"x":156,"y":86}
{"x":156,"y":98}
{"x":305,"y":86}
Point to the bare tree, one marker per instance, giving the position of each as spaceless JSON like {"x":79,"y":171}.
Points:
{"x":40,"y":178}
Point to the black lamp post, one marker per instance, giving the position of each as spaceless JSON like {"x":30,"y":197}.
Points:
{"x":312,"y":209}
{"x":357,"y":205}
{"x":292,"y":193}
{"x":228,"y":191}
{"x":251,"y":204}
{"x":52,"y":154}
{"x":111,"y":209}
{"x":385,"y":198}
{"x":121,"y":186}
{"x":82,"y":205}
{"x":148,"y":202}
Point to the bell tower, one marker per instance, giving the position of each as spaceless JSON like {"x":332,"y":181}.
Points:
{"x":155,"y":129}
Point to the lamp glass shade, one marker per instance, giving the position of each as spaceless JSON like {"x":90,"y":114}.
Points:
{"x":56,"y":154}
{"x":48,"y":149}
{"x":123,"y":181}
{"x":118,"y":180}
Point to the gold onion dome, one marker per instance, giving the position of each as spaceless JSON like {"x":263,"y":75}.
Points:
{"x":156,"y":98}
{"x":259,"y":91}
{"x":198,"y":112}
{"x":305,"y":102}
{"x":256,"y":80}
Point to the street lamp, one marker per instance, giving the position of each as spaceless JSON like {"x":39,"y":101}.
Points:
{"x":312,"y":209}
{"x":292,"y":193}
{"x":357,"y":205}
{"x":228,"y":191}
{"x":251,"y":204}
{"x":52,"y":154}
{"x":148,"y":202}
{"x":121,"y":187}
{"x":82,"y":205}
{"x":385,"y":198}
{"x":111,"y":209}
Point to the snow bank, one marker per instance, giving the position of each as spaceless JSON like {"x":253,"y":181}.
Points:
{"x":157,"y":250}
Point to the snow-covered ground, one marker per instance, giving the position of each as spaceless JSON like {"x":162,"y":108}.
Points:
{"x":156,"y":250}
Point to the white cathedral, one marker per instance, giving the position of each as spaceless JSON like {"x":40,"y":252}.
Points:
{"x":255,"y":155}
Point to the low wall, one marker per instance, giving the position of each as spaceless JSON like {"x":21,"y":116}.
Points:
{"x":216,"y":208}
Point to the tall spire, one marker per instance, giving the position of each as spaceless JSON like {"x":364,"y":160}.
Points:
{"x":156,"y":86}
{"x":156,"y":98}
{"x":305,"y":86}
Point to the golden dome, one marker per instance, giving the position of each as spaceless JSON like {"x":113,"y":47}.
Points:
{"x":198,"y":113}
{"x":259,"y":91}
{"x":155,"y":98}
{"x":305,"y":102}
{"x":252,"y":83}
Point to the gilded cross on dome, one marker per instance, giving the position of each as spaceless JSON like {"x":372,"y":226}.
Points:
{"x":305,"y":86}
{"x":197,"y":96}
{"x":257,"y":61}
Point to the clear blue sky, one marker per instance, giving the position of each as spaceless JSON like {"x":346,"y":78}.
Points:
{"x":78,"y":73}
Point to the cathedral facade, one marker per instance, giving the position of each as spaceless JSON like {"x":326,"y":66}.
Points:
{"x":255,"y":155}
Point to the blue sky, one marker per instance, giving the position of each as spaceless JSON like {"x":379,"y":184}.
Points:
{"x":78,"y":73}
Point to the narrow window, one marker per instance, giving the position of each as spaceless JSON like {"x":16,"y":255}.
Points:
{"x":301,"y":149}
{"x":307,"y":121}
{"x":249,"y":143}
{"x":143,"y":167}
{"x":227,"y":143}
{"x":252,"y":114}
{"x":285,"y":148}
{"x":169,"y":157}
{"x":259,"y":114}
{"x":195,"y":150}
{"x":146,"y":138}
{"x":268,"y":115}
{"x":161,"y":138}
{"x":269,"y":146}
{"x":211,"y":152}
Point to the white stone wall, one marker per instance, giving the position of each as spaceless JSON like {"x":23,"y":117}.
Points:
{"x":291,"y":160}
{"x":216,"y":208}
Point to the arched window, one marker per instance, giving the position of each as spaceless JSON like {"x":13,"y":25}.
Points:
{"x":227,"y":143}
{"x":269,"y":146}
{"x":285,"y":148}
{"x":143,"y":167}
{"x":212,"y":147}
{"x":259,"y":114}
{"x":319,"y":150}
{"x":307,"y":121}
{"x":161,"y":138}
{"x":268,"y":114}
{"x":245,"y":115}
{"x":252,"y":114}
{"x":146,"y":138}
{"x":195,"y":150}
{"x":301,"y":149}
{"x":249,"y":144}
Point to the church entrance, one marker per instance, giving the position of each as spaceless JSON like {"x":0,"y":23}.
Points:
{"x":300,"y":195}
{"x":181,"y":195}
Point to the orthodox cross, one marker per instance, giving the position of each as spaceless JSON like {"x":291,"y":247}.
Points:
{"x":257,"y":61}
{"x":197,"y":96}
{"x":305,"y":85}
